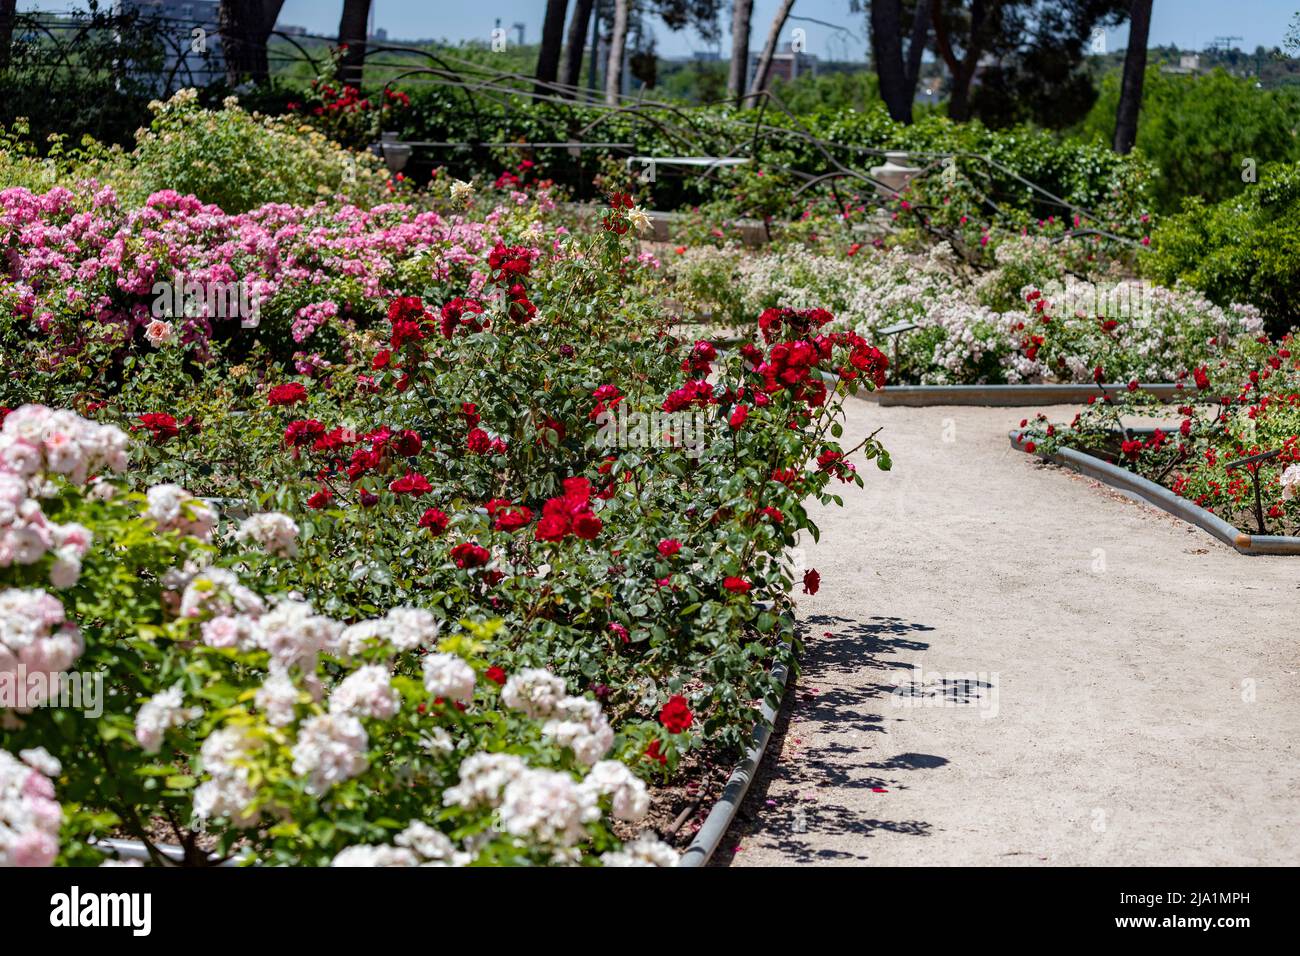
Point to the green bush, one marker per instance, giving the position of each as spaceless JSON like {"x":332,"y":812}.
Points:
{"x":1198,"y":130}
{"x":1244,"y":249}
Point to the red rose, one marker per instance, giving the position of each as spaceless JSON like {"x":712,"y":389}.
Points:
{"x":469,"y":555}
{"x":412,"y":483}
{"x":286,"y":394}
{"x":811,"y":581}
{"x":654,"y":752}
{"x":478,"y":442}
{"x":434,"y":520}
{"x":736,"y":585}
{"x":552,"y":527}
{"x":407,"y":443}
{"x":773,"y":514}
{"x":496,"y":675}
{"x":676,"y":716}
{"x":587,"y":526}
{"x":738,"y":416}
{"x":507,"y":517}
{"x":320,"y":499}
{"x":669,"y":547}
{"x":161,"y":426}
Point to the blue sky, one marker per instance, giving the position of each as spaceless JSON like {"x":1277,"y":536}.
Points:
{"x":1190,"y":24}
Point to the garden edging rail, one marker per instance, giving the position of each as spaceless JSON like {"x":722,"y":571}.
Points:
{"x":1007,"y":395}
{"x":718,"y":822}
{"x":1161,"y":497}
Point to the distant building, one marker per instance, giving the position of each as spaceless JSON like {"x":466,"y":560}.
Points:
{"x":1188,"y":63}
{"x":786,"y":63}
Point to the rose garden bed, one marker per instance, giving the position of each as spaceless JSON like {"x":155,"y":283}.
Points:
{"x":1231,"y":464}
{"x":462,"y":618}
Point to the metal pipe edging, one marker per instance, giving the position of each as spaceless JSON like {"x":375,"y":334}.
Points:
{"x":724,"y":811}
{"x":1006,"y":395}
{"x":1167,"y":501}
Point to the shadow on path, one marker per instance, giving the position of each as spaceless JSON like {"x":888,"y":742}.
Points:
{"x":801,"y":799}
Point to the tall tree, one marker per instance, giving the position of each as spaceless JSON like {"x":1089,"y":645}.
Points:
{"x":764,"y":66}
{"x":573,"y":46}
{"x":742,"y":11}
{"x":983,"y":21}
{"x":1135,"y":68}
{"x":898,"y":74}
{"x":887,"y":52}
{"x":617,"y":44}
{"x":7,"y":10}
{"x":352,"y":35}
{"x":1029,"y":55}
{"x":548,"y":56}
{"x":917,"y":44}
{"x":245,"y":26}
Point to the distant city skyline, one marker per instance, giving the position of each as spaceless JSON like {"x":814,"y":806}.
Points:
{"x":840,"y":35}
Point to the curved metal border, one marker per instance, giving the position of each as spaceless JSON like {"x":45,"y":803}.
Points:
{"x":1008,"y":395}
{"x":1166,"y":500}
{"x":724,"y":811}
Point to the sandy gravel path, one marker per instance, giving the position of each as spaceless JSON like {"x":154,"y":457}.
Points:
{"x":1120,"y":688}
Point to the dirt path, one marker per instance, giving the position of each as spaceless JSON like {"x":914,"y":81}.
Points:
{"x":1132,"y":696}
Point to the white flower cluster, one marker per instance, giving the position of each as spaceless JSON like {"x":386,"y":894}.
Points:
{"x":173,"y":508}
{"x":227,"y":793}
{"x":1290,"y":480}
{"x":36,"y":636}
{"x":37,"y":439}
{"x":418,"y":845}
{"x":366,"y":692}
{"x":331,"y":748}
{"x":533,"y":691}
{"x":645,"y":850}
{"x":29,"y":814}
{"x":273,"y":532}
{"x":402,"y":629}
{"x":36,"y":442}
{"x":1158,"y":332}
{"x":574,"y":722}
{"x":447,"y":675}
{"x":541,"y":808}
{"x":159,"y":714}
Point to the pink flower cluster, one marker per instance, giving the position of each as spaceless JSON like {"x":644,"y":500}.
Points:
{"x":37,"y":442}
{"x":103,"y":264}
{"x":37,"y":642}
{"x":29,"y":814}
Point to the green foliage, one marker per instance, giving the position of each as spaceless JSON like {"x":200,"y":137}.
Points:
{"x":1243,"y":249}
{"x":1198,"y":130}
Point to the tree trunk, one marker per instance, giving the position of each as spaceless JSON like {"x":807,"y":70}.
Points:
{"x":742,"y":12}
{"x":764,"y":66}
{"x":548,"y":57}
{"x":352,"y":34}
{"x":245,"y":26}
{"x":916,"y":46}
{"x":617,"y":41}
{"x":887,"y":51}
{"x":962,"y":71}
{"x":572,"y":71}
{"x":1135,"y":68}
{"x":7,"y":9}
